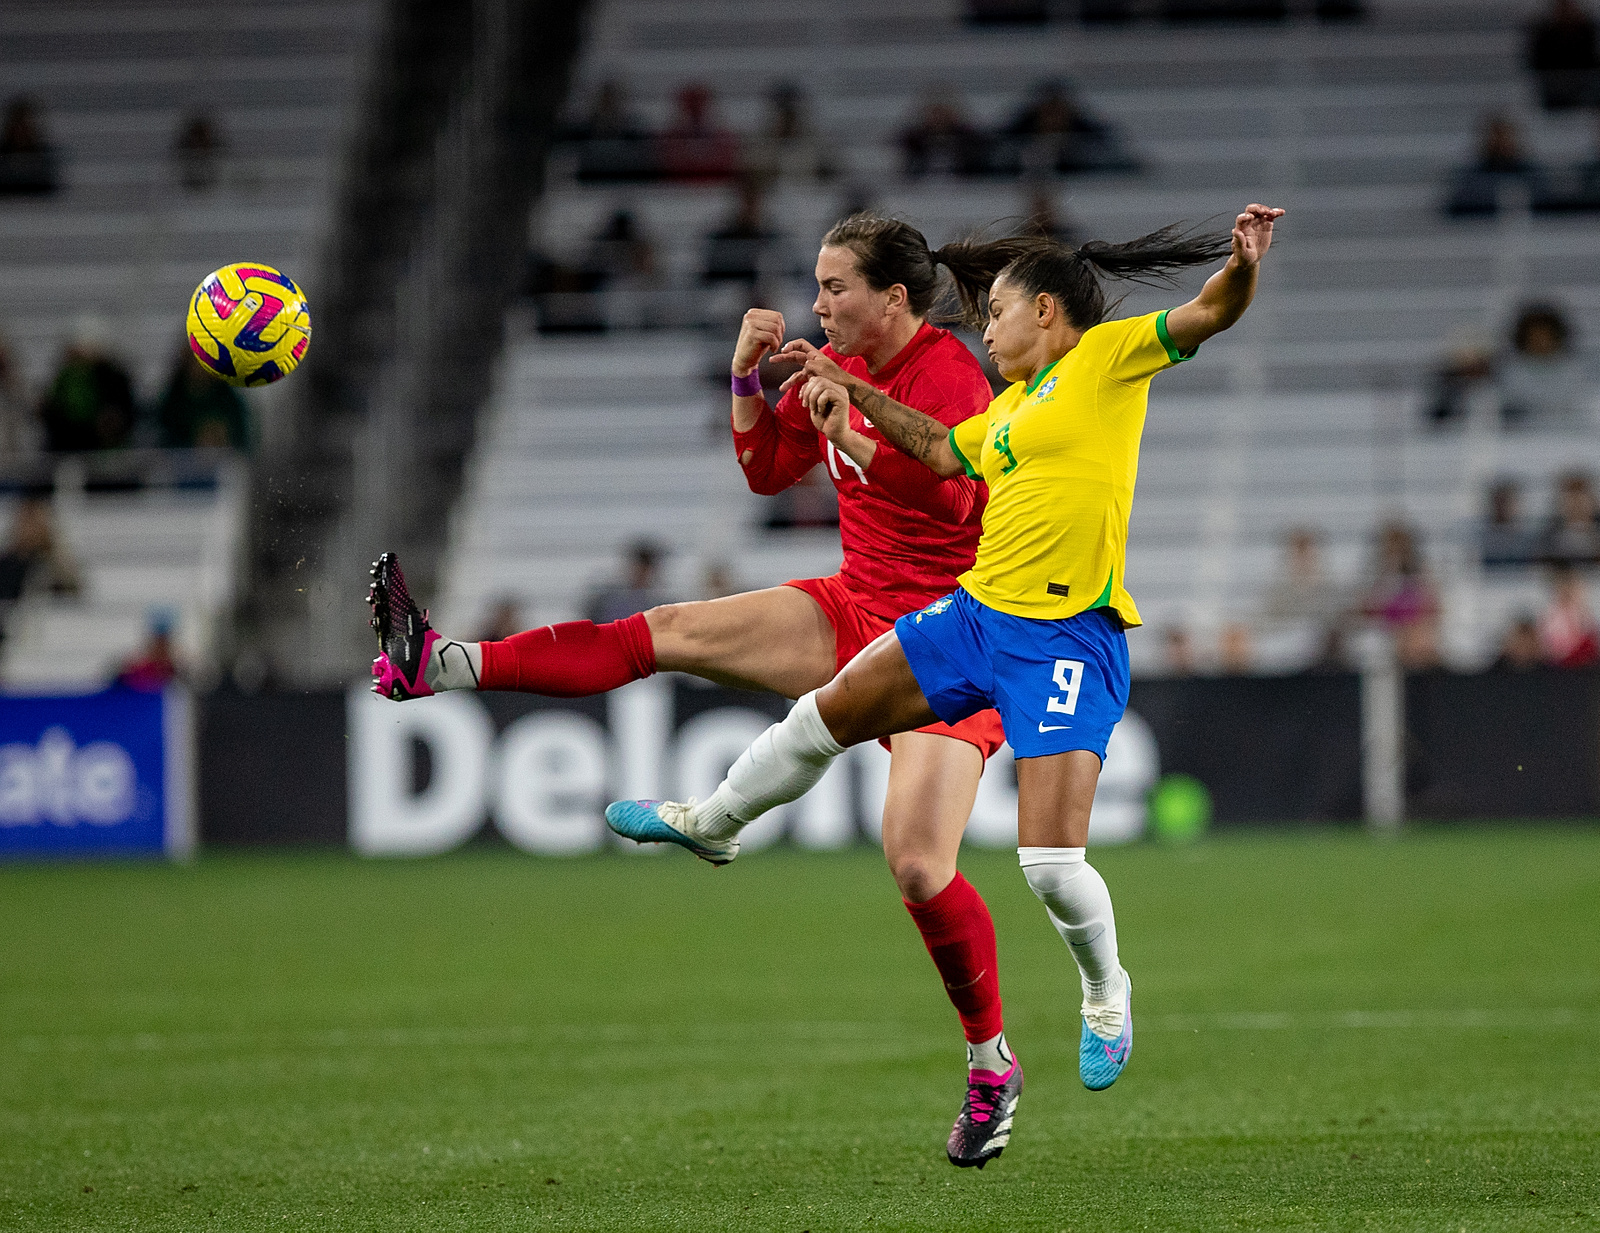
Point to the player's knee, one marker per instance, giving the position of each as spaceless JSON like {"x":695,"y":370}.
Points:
{"x":919,"y":876}
{"x":843,"y":722}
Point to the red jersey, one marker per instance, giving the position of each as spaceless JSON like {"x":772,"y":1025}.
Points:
{"x":907,"y":533}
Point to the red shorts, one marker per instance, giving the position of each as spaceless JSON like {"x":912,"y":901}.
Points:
{"x":854,"y":627}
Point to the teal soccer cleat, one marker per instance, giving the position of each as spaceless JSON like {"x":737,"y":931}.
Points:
{"x":1101,"y":1059}
{"x":667,"y":822}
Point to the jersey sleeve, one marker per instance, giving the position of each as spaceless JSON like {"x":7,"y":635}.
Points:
{"x":966,"y":440}
{"x":950,"y":394}
{"x":1135,"y":348}
{"x":781,"y":447}
{"x":921,"y":488}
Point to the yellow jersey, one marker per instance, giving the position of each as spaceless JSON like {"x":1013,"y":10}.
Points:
{"x":1060,"y":455}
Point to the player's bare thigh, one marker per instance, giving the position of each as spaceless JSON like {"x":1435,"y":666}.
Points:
{"x":933,"y":782}
{"x":874,"y":695}
{"x":1054,"y":796}
{"x":778,"y":639}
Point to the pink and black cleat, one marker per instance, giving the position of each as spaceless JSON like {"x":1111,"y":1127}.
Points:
{"x":405,"y":639}
{"x":983,"y":1127}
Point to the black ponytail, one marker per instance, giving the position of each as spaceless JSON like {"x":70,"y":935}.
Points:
{"x":889,"y":252}
{"x":1037,"y":264}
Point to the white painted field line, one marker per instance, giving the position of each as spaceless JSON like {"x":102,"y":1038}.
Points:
{"x":1550,"y":1018}
{"x":1383,"y":1020}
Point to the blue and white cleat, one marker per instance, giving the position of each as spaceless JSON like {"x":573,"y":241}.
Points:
{"x":668,"y":822}
{"x":1102,"y":1058}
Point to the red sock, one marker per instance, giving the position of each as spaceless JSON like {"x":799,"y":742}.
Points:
{"x":959,"y":934}
{"x":571,"y":660}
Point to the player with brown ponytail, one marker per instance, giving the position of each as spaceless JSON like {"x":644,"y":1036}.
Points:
{"x":907,"y":535}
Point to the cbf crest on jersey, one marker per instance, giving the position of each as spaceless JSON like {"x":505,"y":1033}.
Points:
{"x":935,"y":608}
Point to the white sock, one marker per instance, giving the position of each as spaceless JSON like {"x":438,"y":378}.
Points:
{"x":453,"y":665}
{"x":1075,"y":896}
{"x":992,"y":1054}
{"x":781,"y":765}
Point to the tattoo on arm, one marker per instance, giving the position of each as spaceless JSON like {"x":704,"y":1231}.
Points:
{"x":906,"y":428}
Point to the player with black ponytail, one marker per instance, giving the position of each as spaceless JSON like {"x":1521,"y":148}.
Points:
{"x":1036,"y":627}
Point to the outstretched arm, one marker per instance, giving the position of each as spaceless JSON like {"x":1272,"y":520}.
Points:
{"x":907,"y":429}
{"x":1228,"y":292}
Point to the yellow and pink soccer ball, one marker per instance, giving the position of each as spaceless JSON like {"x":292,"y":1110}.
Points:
{"x":249,"y":324}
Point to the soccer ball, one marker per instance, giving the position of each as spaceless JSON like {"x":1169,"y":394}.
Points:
{"x":249,"y":324}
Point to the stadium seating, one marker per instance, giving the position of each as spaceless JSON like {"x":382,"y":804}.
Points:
{"x":160,"y":543}
{"x":122,"y":241}
{"x":1306,"y":414}
{"x":121,"y":238}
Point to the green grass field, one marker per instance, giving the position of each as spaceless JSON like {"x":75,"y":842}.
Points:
{"x":1331,"y":1033}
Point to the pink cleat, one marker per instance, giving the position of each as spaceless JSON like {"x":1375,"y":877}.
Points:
{"x":405,"y":639}
{"x":983,"y":1127}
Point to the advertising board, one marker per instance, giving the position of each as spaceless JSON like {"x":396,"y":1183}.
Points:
{"x":105,"y":774}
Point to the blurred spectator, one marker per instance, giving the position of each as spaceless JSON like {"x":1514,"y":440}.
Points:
{"x":35,"y":562}
{"x":1574,"y":189}
{"x":1567,"y":629}
{"x":788,"y":147}
{"x":1501,"y":162}
{"x":940,"y":141}
{"x":1506,"y":538}
{"x":745,"y":247}
{"x":1044,"y":218}
{"x":811,"y":501}
{"x":719,"y":581}
{"x":1573,"y":535}
{"x":1235,"y":654}
{"x":640,"y":589}
{"x":563,"y":296}
{"x":90,"y":403}
{"x":1177,"y":649}
{"x":1054,"y":132}
{"x":1464,"y":375}
{"x":27,"y":160}
{"x":1191,"y":11}
{"x":613,"y":143}
{"x":18,"y":425}
{"x":611,"y":115}
{"x":620,"y":252}
{"x":153,"y":666}
{"x":1007,"y":12}
{"x":197,"y":150}
{"x":501,"y":622}
{"x":1401,"y":597}
{"x":1303,"y":594}
{"x":1332,"y":655}
{"x":1561,"y":51}
{"x":199,"y":409}
{"x":1543,"y":385}
{"x":696,"y":147}
{"x":1521,"y":649}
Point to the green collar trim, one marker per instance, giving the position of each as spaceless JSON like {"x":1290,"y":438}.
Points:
{"x":1043,"y":372}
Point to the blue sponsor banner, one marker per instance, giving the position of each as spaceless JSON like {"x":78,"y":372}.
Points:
{"x":102,"y":774}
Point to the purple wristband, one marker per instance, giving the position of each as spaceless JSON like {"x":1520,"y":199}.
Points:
{"x":747,"y":387}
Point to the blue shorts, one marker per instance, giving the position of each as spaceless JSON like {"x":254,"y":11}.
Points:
{"x":1058,"y":685}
